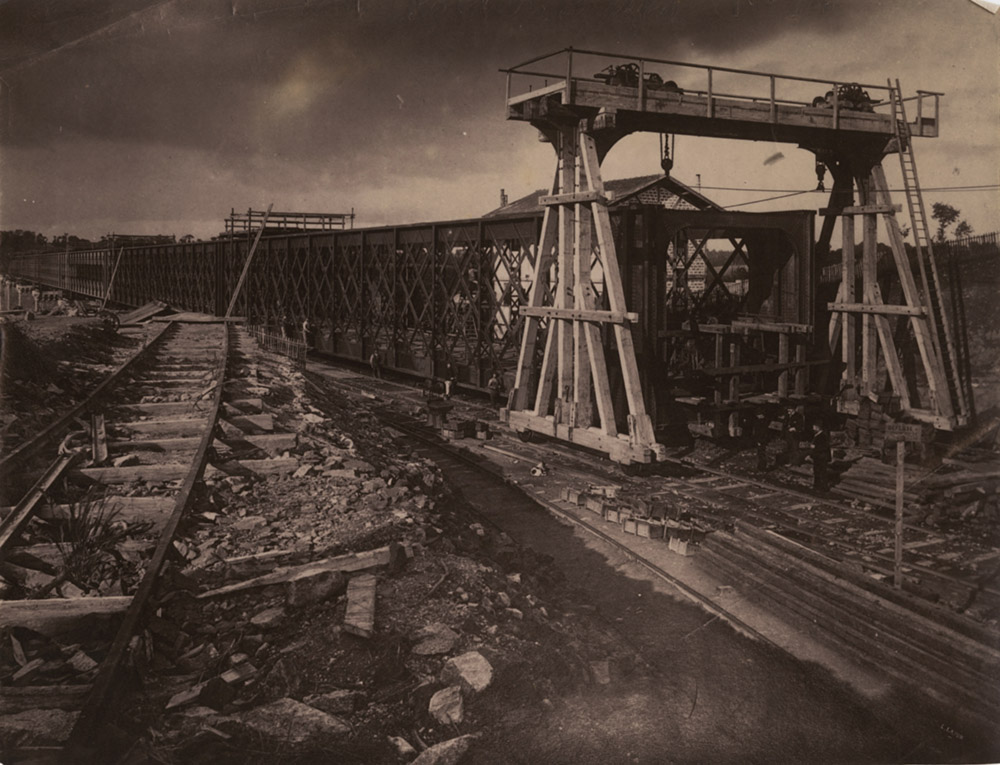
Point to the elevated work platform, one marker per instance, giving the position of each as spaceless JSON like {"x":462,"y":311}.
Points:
{"x":565,"y":390}
{"x":635,"y":95}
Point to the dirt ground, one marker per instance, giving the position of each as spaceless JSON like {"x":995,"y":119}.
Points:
{"x":589,"y":663}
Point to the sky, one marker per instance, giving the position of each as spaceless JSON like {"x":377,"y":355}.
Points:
{"x":160,"y":116}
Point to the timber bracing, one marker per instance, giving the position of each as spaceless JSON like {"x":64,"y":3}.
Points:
{"x":572,"y":390}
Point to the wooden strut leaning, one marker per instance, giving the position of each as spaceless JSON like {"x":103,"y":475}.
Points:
{"x":246,"y":264}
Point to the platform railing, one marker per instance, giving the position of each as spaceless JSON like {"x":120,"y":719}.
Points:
{"x":275,"y":342}
{"x":566,"y":79}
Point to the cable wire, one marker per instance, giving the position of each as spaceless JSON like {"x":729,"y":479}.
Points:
{"x":766,"y":199}
{"x":983,"y":187}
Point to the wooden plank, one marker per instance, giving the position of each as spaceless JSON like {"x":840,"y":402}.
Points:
{"x":161,"y":409}
{"x":748,"y":368}
{"x":271,"y":466}
{"x":161,"y":382}
{"x":575,"y":314}
{"x":142,"y":312}
{"x":361,"y":561}
{"x":862,"y":209}
{"x":159,"y":445}
{"x":168,"y":471}
{"x":174,"y":427}
{"x":272,"y":443}
{"x":29,"y":697}
{"x":360,"y":617}
{"x":755,"y":325}
{"x":243,"y":406}
{"x":620,"y":448}
{"x":641,"y":424}
{"x":56,"y":615}
{"x":251,"y":422}
{"x":885,"y":309}
{"x":575,"y":197}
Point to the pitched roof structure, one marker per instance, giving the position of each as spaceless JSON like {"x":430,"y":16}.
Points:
{"x":647,"y":189}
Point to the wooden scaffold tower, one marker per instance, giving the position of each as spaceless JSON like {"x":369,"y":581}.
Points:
{"x":572,"y":397}
{"x":567,"y":392}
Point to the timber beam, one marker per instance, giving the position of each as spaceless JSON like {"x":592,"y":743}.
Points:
{"x":887,"y":209}
{"x":608,"y":317}
{"x":573,"y":198}
{"x":883,"y":309}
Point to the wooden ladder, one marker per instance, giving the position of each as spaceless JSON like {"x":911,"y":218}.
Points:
{"x":941,"y":329}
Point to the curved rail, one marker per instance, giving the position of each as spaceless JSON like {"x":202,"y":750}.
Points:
{"x":192,"y":367}
{"x":98,"y":704}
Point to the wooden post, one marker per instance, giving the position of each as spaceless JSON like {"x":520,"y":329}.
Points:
{"x":897,"y":568}
{"x":802,"y":370}
{"x":583,"y":298}
{"x":717,"y":395}
{"x":848,"y":322}
{"x":783,"y":359}
{"x":734,"y":386}
{"x":869,"y":343}
{"x":567,"y":268}
{"x":99,"y":436}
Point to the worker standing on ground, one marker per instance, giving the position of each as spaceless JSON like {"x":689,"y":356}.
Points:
{"x":794,"y":427}
{"x":494,"y":386}
{"x":449,"y":379}
{"x":376,"y":363}
{"x":821,"y":457}
{"x":761,"y":433}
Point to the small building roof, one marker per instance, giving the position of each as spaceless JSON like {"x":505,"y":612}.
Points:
{"x":656,"y":189}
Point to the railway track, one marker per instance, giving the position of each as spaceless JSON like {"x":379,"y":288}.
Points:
{"x":824,"y":560}
{"x":82,"y":552}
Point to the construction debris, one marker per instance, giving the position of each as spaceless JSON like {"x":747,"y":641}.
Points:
{"x":360,"y":617}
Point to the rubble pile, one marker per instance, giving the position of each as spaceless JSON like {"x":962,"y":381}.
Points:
{"x":351,"y":608}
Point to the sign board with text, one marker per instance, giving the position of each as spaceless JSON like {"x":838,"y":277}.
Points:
{"x":900,"y":431}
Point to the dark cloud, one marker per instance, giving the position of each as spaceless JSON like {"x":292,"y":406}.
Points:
{"x":299,"y":95}
{"x":293,"y":74}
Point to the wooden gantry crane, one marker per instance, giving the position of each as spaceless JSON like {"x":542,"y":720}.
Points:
{"x":563,"y":386}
